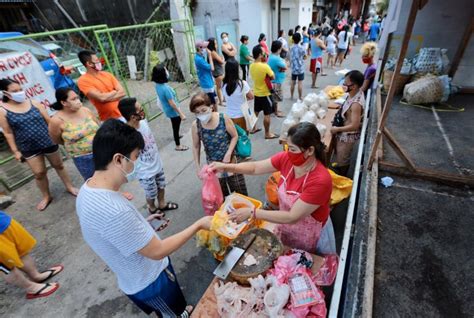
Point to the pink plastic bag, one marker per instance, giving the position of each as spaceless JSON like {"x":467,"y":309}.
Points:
{"x":212,"y":197}
{"x":327,"y":273}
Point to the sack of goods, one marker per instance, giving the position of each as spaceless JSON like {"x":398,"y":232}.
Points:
{"x":426,"y":90}
{"x":314,"y":107}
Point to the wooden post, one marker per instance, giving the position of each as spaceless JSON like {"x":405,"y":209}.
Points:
{"x":399,"y":150}
{"x":391,"y":92}
{"x":378,"y":107}
{"x":462,"y":48}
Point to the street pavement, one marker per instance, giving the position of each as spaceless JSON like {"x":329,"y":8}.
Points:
{"x":88,"y":287}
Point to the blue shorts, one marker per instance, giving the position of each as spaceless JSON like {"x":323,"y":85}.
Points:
{"x":163,"y":296}
{"x":85,"y":165}
{"x":300,"y":77}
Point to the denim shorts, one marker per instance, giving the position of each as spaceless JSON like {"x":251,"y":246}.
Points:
{"x":85,"y":165}
{"x":153,"y":184}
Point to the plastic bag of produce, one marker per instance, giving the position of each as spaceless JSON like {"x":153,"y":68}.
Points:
{"x":271,"y":189}
{"x":310,"y":99}
{"x":327,"y":272}
{"x":309,"y":116}
{"x":321,"y":113}
{"x":285,"y":126}
{"x":323,"y":101}
{"x":322,"y":129}
{"x":429,"y":60}
{"x":211,"y":193}
{"x":297,"y":110}
{"x":426,"y":90}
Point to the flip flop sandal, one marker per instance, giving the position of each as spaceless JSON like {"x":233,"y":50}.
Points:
{"x":52,"y":272}
{"x":170,"y":206}
{"x":275,"y":136}
{"x":46,"y":206}
{"x":184,"y":148}
{"x":39,"y":293}
{"x":255,"y":131}
{"x":163,"y":226}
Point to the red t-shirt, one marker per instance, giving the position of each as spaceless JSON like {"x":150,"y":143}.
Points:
{"x":317,"y":189}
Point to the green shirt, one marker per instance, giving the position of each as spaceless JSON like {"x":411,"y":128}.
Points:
{"x":244,"y":52}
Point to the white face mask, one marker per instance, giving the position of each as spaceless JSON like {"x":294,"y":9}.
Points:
{"x":18,"y":97}
{"x":225,"y":40}
{"x":204,"y":117}
{"x":132,"y":174}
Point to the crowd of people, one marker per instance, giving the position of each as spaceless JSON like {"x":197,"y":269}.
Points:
{"x":119,"y":146}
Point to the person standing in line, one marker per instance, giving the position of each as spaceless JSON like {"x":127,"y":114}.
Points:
{"x":169,"y":102}
{"x":368,"y":51}
{"x":316,"y":50}
{"x":305,"y":39}
{"x":25,"y":127}
{"x":298,"y":55}
{"x":262,"y":40}
{"x":331,"y":41}
{"x":17,"y":267}
{"x":374,"y":31}
{"x":284,"y":48}
{"x":245,"y":57}
{"x":119,"y":234}
{"x":278,"y":66}
{"x":101,"y":88}
{"x":290,"y":39}
{"x":348,"y":121}
{"x":74,"y":126}
{"x":342,"y":44}
{"x":149,"y":167}
{"x":228,"y":49}
{"x":298,"y":30}
{"x":204,"y":71}
{"x":219,"y":137}
{"x":218,"y":72}
{"x":236,"y":92}
{"x":261,"y":73}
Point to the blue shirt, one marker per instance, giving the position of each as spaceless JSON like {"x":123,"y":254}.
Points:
{"x":204,"y":72}
{"x":275,"y":62}
{"x":5,"y":221}
{"x":165,"y":93}
{"x":316,"y":51}
{"x":297,"y":62}
{"x":374,"y":31}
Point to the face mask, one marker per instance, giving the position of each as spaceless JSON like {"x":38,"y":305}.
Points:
{"x":367,"y":60}
{"x":98,"y":66}
{"x":132,"y":174}
{"x":225,"y":40}
{"x":18,"y":97}
{"x":204,"y":118}
{"x":347,"y":88}
{"x":204,"y":53}
{"x":296,"y":159}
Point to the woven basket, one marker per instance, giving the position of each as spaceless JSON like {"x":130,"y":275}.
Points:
{"x":399,"y":84}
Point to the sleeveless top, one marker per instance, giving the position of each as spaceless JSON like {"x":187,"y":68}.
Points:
{"x":218,"y":68}
{"x":30,"y":129}
{"x":216,"y":141}
{"x":78,"y":137}
{"x":227,"y":57}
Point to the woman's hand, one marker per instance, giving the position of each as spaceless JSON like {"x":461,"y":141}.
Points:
{"x":334,"y":130}
{"x":218,"y":167}
{"x":240,"y":215}
{"x":204,"y":223}
{"x":154,"y":216}
{"x":18,"y":155}
{"x":227,"y":158}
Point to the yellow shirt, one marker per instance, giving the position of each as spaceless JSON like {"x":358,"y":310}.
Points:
{"x":258,"y":72}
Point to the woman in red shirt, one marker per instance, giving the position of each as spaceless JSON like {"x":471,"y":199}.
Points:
{"x":304,"y":191}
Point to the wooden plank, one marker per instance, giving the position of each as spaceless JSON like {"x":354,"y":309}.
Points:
{"x":422,"y":4}
{"x":378,"y":106}
{"x":391,"y":91}
{"x":399,"y":149}
{"x":467,"y":90}
{"x":462,"y":48}
{"x":428,"y":174}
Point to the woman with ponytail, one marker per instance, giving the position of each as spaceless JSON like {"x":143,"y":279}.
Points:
{"x":74,"y":127}
{"x":304,"y":191}
{"x":343,"y":43}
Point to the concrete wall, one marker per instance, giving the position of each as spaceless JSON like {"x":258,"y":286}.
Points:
{"x":255,"y":18}
{"x":305,"y":10}
{"x":209,"y":13}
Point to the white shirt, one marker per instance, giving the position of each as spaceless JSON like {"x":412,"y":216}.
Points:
{"x":283,"y":41}
{"x":331,"y":41}
{"x":149,"y":163}
{"x":235,"y":101}
{"x":344,"y":44}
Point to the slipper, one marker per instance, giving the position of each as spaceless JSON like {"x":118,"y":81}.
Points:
{"x":39,"y":293}
{"x":158,"y":212}
{"x":255,"y":131}
{"x":280,"y":115}
{"x":170,"y":206}
{"x":184,"y":148}
{"x":275,"y":136}
{"x":187,"y":312}
{"x":324,"y":74}
{"x":45,"y":206}
{"x":52,"y":272}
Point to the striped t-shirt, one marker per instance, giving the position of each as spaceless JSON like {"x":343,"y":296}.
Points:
{"x":116,"y":231}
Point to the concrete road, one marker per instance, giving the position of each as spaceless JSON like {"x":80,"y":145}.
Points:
{"x":88,"y":287}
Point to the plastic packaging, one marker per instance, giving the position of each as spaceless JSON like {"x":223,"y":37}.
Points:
{"x":323,"y":101}
{"x":276,"y":298}
{"x":322,"y":129}
{"x":321,"y":113}
{"x":314,"y":107}
{"x":310,"y":99}
{"x":297,"y":110}
{"x":327,"y":272}
{"x":309,"y":116}
{"x":271,"y":189}
{"x":286,"y":125}
{"x":211,"y":193}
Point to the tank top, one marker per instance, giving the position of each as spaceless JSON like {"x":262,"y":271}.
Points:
{"x":216,"y":141}
{"x":218,"y":68}
{"x":78,"y":137}
{"x":227,"y":57}
{"x":316,"y":51}
{"x":30,"y":129}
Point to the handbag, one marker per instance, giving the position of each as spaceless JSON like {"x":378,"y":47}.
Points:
{"x":249,"y":114}
{"x":244,"y":146}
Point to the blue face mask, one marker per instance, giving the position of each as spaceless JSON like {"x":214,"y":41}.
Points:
{"x":132,"y":175}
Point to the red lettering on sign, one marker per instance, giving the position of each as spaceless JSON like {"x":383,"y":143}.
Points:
{"x":3,"y":67}
{"x":20,"y":78}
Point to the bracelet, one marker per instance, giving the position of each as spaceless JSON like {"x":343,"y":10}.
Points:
{"x":254,"y":213}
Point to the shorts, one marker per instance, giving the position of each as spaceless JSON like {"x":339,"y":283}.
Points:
{"x":300,"y":77}
{"x":278,"y":89}
{"x":151,"y":185}
{"x":163,"y":296}
{"x":45,"y":151}
{"x":331,"y":51}
{"x":314,"y":66}
{"x":263,"y":103}
{"x":340,"y":51}
{"x":85,"y":165}
{"x":344,"y":144}
{"x":15,"y":242}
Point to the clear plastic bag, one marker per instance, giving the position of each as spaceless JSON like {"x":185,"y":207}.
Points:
{"x":322,"y":129}
{"x":297,"y":110}
{"x":211,"y":194}
{"x":309,"y":116}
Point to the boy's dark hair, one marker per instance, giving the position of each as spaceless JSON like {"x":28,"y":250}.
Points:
{"x":85,"y":56}
{"x":127,"y":108}
{"x":356,"y":77}
{"x":256,"y":51}
{"x":276,"y":45}
{"x":114,"y":137}
{"x":296,"y":38}
{"x":243,"y":38}
{"x":158,"y":75}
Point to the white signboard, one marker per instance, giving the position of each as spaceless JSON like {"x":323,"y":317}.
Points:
{"x":24,"y":68}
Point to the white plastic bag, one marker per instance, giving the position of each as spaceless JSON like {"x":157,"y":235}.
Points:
{"x":322,"y":129}
{"x":327,"y":241}
{"x":429,"y":60}
{"x":321,"y":113}
{"x":323,"y":101}
{"x":310,"y":99}
{"x":276,"y":299}
{"x":285,"y":126}
{"x":297,"y":110}
{"x":309,"y":116}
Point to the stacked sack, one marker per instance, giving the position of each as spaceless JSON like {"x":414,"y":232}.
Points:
{"x":313,"y":108}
